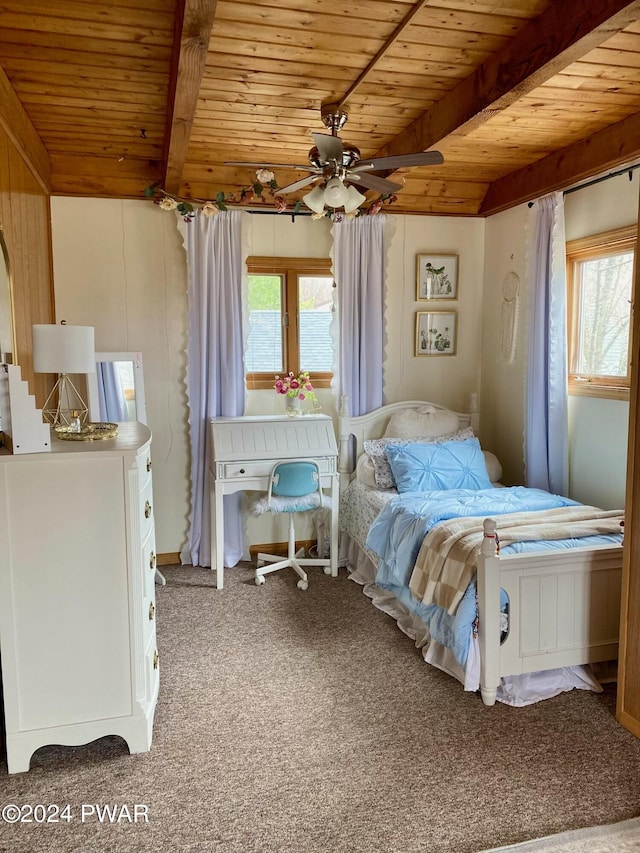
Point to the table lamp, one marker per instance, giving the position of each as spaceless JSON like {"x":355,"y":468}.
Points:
{"x":64,"y":349}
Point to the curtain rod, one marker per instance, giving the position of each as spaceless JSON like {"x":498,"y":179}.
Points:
{"x":629,"y":170}
{"x":286,"y":212}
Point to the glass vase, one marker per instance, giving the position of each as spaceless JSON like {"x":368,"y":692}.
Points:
{"x":294,"y":406}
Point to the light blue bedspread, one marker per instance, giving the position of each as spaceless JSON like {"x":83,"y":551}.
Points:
{"x":397,"y":533}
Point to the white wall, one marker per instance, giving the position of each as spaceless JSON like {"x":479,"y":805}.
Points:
{"x":447,"y":380}
{"x":121,"y":267}
{"x":502,"y":399}
{"x":610,"y":204}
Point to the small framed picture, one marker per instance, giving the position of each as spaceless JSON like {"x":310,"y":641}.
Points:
{"x":436,"y":332}
{"x":436,"y":277}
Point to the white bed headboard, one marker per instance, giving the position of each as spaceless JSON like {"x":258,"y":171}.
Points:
{"x":354,"y":430}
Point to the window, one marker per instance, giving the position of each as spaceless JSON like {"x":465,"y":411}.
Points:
{"x":600,"y":281}
{"x":290,"y":303}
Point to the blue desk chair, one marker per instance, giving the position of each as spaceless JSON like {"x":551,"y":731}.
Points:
{"x":294,"y":486}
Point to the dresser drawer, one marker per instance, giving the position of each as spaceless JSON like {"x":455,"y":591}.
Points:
{"x":149,"y":559}
{"x":152,"y":672}
{"x":146,"y":510}
{"x":263,"y":468}
{"x":144,"y":468}
{"x":148,"y":620}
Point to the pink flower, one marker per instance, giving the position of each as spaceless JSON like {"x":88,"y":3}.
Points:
{"x":295,"y":386}
{"x":281,"y":204}
{"x":376,"y":207}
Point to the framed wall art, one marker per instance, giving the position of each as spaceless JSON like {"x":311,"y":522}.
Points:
{"x":436,"y":277}
{"x":436,"y":332}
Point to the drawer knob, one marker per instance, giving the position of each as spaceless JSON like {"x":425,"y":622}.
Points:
{"x":156,"y":659}
{"x":152,"y":610}
{"x":147,"y":509}
{"x":148,"y":464}
{"x":242,"y":471}
{"x":152,"y":560}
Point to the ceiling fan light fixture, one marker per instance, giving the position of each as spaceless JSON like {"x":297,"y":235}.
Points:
{"x":335,"y":193}
{"x":354,"y":199}
{"x":315,"y":200}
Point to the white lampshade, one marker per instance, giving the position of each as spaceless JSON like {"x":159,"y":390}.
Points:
{"x":315,"y":200}
{"x":63,"y":349}
{"x":335,"y":193}
{"x":354,"y":199}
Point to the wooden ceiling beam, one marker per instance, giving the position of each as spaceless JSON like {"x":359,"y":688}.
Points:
{"x":564,"y":33}
{"x":393,"y":38}
{"x":194,"y":21}
{"x":18,"y":127}
{"x":617,"y":145}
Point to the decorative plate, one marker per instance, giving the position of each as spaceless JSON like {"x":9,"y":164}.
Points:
{"x":88,"y":432}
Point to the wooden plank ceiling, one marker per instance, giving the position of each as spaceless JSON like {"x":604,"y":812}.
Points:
{"x":521,"y":96}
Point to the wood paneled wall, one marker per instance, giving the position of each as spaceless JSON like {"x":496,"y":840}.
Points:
{"x":26,"y":223}
{"x":628,"y":704}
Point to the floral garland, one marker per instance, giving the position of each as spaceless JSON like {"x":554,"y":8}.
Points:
{"x":262,"y":190}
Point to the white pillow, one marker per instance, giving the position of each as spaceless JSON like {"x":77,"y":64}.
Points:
{"x":365,"y":471}
{"x":494,"y":468}
{"x":421,"y":423}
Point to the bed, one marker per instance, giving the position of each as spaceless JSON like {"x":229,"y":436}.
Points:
{"x":525,"y":617}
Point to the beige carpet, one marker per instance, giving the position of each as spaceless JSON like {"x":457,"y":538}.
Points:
{"x":620,"y":838}
{"x":306,"y":722}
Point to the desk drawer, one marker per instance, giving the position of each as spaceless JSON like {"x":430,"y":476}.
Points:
{"x":263,"y":468}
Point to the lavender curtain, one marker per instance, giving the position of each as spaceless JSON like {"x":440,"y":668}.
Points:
{"x":215,"y":368}
{"x":547,"y":434}
{"x":358,"y":267}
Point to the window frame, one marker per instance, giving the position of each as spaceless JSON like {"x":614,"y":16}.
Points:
{"x":290,"y":269}
{"x":577,"y":251}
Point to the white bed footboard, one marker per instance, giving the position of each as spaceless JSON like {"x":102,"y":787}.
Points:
{"x":564,"y":609}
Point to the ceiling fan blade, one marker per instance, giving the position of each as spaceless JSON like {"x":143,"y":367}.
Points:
{"x":374,"y":182}
{"x":329,"y":147}
{"x":298,"y":185}
{"x":423,"y":158}
{"x":268,"y":165}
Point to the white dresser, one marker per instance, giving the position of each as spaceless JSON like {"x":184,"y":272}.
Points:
{"x":77,"y":594}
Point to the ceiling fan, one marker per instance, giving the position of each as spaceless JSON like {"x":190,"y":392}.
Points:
{"x":339,"y":168}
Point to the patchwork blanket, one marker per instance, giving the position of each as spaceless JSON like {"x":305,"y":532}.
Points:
{"x":447,"y":558}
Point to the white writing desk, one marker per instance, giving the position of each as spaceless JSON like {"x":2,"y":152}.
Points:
{"x":244,"y":451}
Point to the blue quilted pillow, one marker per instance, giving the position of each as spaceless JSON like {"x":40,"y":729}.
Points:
{"x":429,"y":467}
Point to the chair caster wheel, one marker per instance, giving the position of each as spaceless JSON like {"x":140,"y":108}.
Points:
{"x":327,"y":570}
{"x":303,"y":584}
{"x":259,"y":580}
